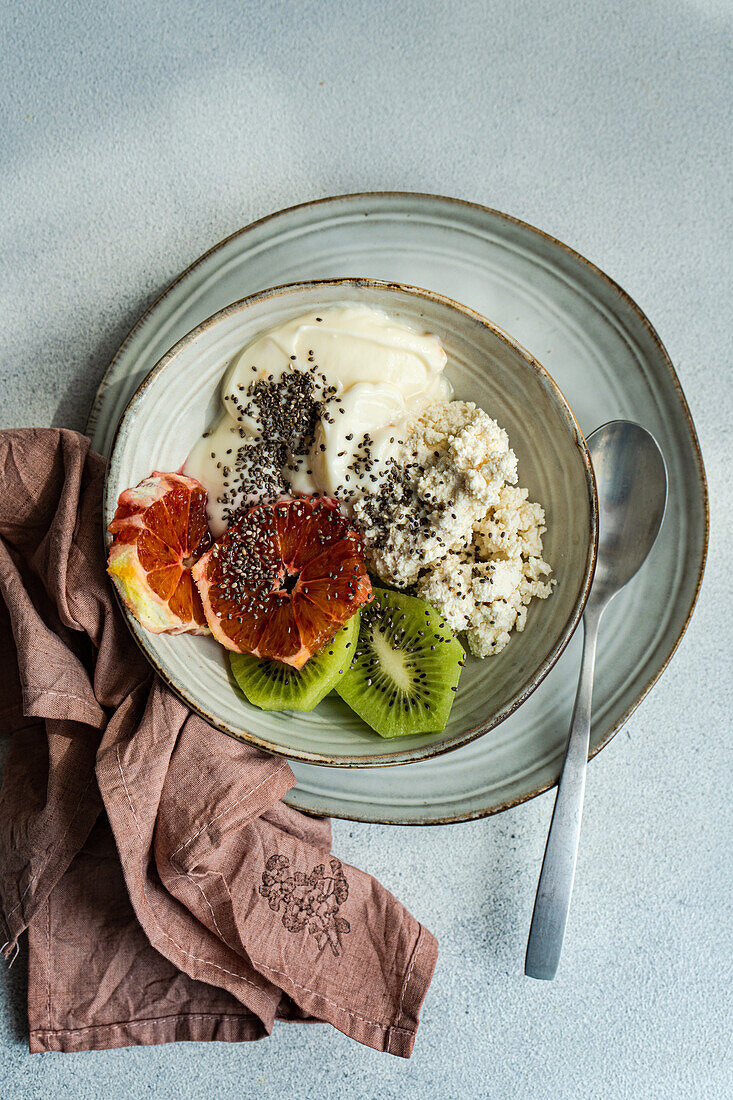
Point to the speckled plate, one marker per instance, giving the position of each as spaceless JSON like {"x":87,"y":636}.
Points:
{"x":609,"y":363}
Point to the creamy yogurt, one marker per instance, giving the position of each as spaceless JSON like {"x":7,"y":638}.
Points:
{"x":318,"y":404}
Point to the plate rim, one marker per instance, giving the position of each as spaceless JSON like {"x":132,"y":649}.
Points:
{"x":395,"y":758}
{"x":598,"y":272}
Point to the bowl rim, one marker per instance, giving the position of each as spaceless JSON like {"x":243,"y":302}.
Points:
{"x":403,"y":756}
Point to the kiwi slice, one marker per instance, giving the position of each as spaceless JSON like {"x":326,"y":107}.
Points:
{"x":406,"y":667}
{"x":272,"y":685}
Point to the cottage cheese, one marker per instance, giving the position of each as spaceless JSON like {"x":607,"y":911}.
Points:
{"x":453,"y":463}
{"x":485,"y":590}
{"x":453,"y":523}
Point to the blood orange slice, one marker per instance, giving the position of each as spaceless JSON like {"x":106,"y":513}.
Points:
{"x":160,"y":530}
{"x":283,"y":579}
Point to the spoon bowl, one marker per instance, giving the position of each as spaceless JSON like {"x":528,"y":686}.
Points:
{"x":631,"y":479}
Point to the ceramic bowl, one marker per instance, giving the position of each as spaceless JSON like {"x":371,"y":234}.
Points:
{"x":179,"y":399}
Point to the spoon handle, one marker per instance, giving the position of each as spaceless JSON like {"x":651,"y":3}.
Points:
{"x":555,"y":887}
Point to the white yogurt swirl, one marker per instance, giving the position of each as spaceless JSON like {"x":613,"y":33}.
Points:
{"x":371,"y":374}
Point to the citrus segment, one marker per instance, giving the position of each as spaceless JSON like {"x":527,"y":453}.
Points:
{"x":301,"y":542}
{"x":159,"y":530}
{"x":282,"y":636}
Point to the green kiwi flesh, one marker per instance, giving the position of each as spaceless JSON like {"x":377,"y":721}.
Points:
{"x":271,"y":685}
{"x":406,"y":668}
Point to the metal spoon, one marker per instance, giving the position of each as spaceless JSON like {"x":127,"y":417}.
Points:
{"x":632,"y":494}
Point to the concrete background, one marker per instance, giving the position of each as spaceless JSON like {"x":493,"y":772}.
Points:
{"x":135,"y":136}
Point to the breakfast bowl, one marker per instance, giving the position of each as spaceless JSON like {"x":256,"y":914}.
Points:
{"x":178,"y":401}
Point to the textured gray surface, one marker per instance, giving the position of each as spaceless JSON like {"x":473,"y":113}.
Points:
{"x":137,"y":135}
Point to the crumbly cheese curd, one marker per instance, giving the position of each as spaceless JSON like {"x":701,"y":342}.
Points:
{"x":486,"y":589}
{"x":453,"y":523}
{"x":449,"y":471}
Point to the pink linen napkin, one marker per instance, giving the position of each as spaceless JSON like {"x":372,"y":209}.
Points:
{"x":168,"y":892}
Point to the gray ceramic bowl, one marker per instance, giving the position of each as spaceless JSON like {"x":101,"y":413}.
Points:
{"x":178,"y":399}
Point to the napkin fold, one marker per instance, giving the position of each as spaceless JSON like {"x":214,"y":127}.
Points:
{"x":167,"y":890}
